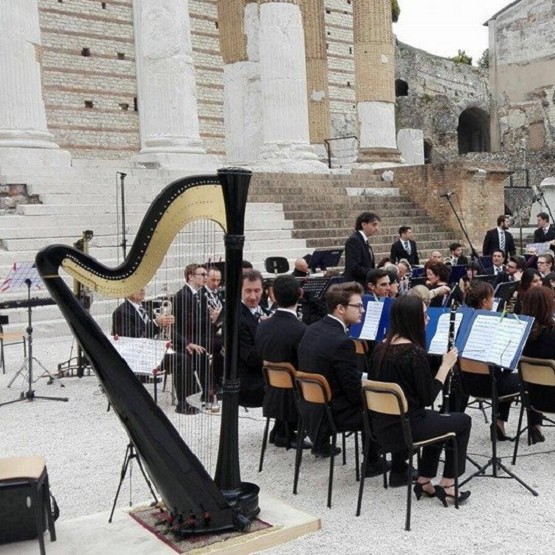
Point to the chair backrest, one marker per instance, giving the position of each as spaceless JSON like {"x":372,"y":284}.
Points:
{"x":361,"y":347}
{"x":473,"y":366}
{"x":280,"y":375}
{"x":313,"y":388}
{"x":384,"y":398}
{"x":537,"y":371}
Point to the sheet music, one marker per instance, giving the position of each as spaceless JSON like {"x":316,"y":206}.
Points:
{"x":372,"y":319}
{"x":438,"y":345}
{"x":494,"y":340}
{"x":141,"y":354}
{"x":19,"y":274}
{"x":540,"y":248}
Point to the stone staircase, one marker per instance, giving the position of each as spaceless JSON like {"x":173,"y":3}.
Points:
{"x":287,"y":215}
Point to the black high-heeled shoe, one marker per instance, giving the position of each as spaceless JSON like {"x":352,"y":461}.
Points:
{"x":501,"y":435}
{"x":463,"y":495}
{"x":535,"y":435}
{"x":419,"y":490}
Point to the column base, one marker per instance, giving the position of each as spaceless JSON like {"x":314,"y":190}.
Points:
{"x":188,"y":161}
{"x":289,"y":157}
{"x":34,"y":157}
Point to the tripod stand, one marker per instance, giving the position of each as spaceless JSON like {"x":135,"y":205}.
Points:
{"x":27,"y":365}
{"x":131,"y":454}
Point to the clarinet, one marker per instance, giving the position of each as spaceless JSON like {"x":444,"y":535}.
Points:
{"x":450,"y":342}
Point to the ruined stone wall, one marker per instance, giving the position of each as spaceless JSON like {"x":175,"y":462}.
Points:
{"x":439,"y":90}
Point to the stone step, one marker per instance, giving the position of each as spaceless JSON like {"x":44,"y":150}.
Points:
{"x":419,"y":233}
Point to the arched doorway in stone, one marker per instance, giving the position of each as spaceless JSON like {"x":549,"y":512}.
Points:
{"x":428,"y":151}
{"x":473,"y":131}
{"x":401,"y":87}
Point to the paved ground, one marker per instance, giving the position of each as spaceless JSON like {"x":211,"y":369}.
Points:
{"x":84,"y":446}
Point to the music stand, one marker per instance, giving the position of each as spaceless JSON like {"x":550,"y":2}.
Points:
{"x":325,"y":258}
{"x":25,"y":274}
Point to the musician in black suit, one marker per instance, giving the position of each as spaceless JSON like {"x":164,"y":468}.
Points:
{"x":277,"y":340}
{"x":214,"y":301}
{"x":545,"y":231}
{"x":405,"y":247}
{"x":130,"y":319}
{"x":359,"y":256}
{"x":497,"y":259}
{"x":456,"y":256}
{"x":251,"y":392}
{"x":499,"y":238}
{"x":191,"y":336}
{"x":326,"y":349}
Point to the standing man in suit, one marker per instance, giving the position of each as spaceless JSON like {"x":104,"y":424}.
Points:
{"x":499,"y":238}
{"x":277,"y":340}
{"x":251,"y":392}
{"x":545,"y":231}
{"x":456,"y":256}
{"x":327,"y":349}
{"x":405,"y":247}
{"x":359,"y":256}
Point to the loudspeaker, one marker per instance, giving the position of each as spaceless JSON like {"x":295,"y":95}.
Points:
{"x":276,"y":264}
{"x":17,"y":515}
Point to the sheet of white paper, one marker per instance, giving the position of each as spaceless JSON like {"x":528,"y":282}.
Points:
{"x":372,"y":318}
{"x":438,"y":344}
{"x":143,"y":355}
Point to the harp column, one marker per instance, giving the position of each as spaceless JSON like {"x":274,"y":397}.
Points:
{"x":24,"y":136}
{"x":375,"y":81}
{"x":316,"y":73}
{"x":284,"y":99}
{"x":166,"y":87}
{"x":238,"y":24}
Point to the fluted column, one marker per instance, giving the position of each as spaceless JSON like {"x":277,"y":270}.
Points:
{"x":316,"y":72}
{"x":284,"y":99}
{"x":24,"y":136}
{"x":238,"y":25}
{"x":375,"y":80}
{"x":166,"y":86}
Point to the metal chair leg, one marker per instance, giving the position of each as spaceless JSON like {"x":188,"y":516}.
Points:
{"x":264,"y":443}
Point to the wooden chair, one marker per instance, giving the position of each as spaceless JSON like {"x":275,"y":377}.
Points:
{"x":389,"y":399}
{"x":315,"y":389}
{"x":537,"y":379}
{"x":30,"y":475}
{"x":278,"y":375}
{"x":8,"y":339}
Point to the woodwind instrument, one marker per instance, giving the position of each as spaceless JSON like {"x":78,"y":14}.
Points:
{"x":445,"y":408}
{"x":195,"y":502}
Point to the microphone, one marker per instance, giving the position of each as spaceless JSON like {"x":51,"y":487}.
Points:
{"x":122,"y":174}
{"x":447,"y":195}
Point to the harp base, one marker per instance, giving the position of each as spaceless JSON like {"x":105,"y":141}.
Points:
{"x":244,"y":502}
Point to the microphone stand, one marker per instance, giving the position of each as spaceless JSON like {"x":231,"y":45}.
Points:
{"x":539,"y":196}
{"x":122,"y":177}
{"x":473,"y":253}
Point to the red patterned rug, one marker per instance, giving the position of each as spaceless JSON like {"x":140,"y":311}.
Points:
{"x":153,"y":519}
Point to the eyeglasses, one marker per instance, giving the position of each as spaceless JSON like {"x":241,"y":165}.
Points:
{"x":358,"y":306}
{"x":203,"y":274}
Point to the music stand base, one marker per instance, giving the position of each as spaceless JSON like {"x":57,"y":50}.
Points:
{"x":496,"y":465}
{"x":30,"y":396}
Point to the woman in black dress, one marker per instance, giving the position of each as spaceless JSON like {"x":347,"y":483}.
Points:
{"x":530,"y":278}
{"x":402,"y":359}
{"x":539,"y":303}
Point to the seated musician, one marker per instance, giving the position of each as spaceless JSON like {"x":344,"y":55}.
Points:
{"x":378,"y":283}
{"x":402,"y":359}
{"x":191,"y":336}
{"x":327,"y":350}
{"x":539,"y":303}
{"x":437,"y":275}
{"x":130,"y":319}
{"x":530,"y":278}
{"x":480,"y":296}
{"x":301,"y":268}
{"x":277,"y":340}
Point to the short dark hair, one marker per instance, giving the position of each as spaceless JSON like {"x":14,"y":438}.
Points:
{"x":548,"y":256}
{"x":520,"y":261}
{"x":374,"y":275}
{"x":454,"y":246}
{"x":440,"y":269}
{"x":341,"y":293}
{"x":479,"y":291}
{"x":190,"y":269}
{"x":286,"y":291}
{"x":251,"y":275}
{"x":543,"y":216}
{"x":404,"y":229}
{"x":366,"y":218}
{"x":501,"y":219}
{"x":246,"y":265}
{"x":499,"y":251}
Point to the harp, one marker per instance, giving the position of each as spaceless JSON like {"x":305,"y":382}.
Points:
{"x":196,"y":503}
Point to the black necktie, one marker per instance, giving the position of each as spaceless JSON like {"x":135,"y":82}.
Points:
{"x":370,"y":252}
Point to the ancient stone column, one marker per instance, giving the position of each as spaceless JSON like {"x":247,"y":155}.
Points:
{"x":24,"y":136}
{"x":375,"y":81}
{"x":166,"y":86}
{"x":238,"y":25}
{"x":316,"y":72}
{"x":411,"y":146}
{"x":284,"y":90}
